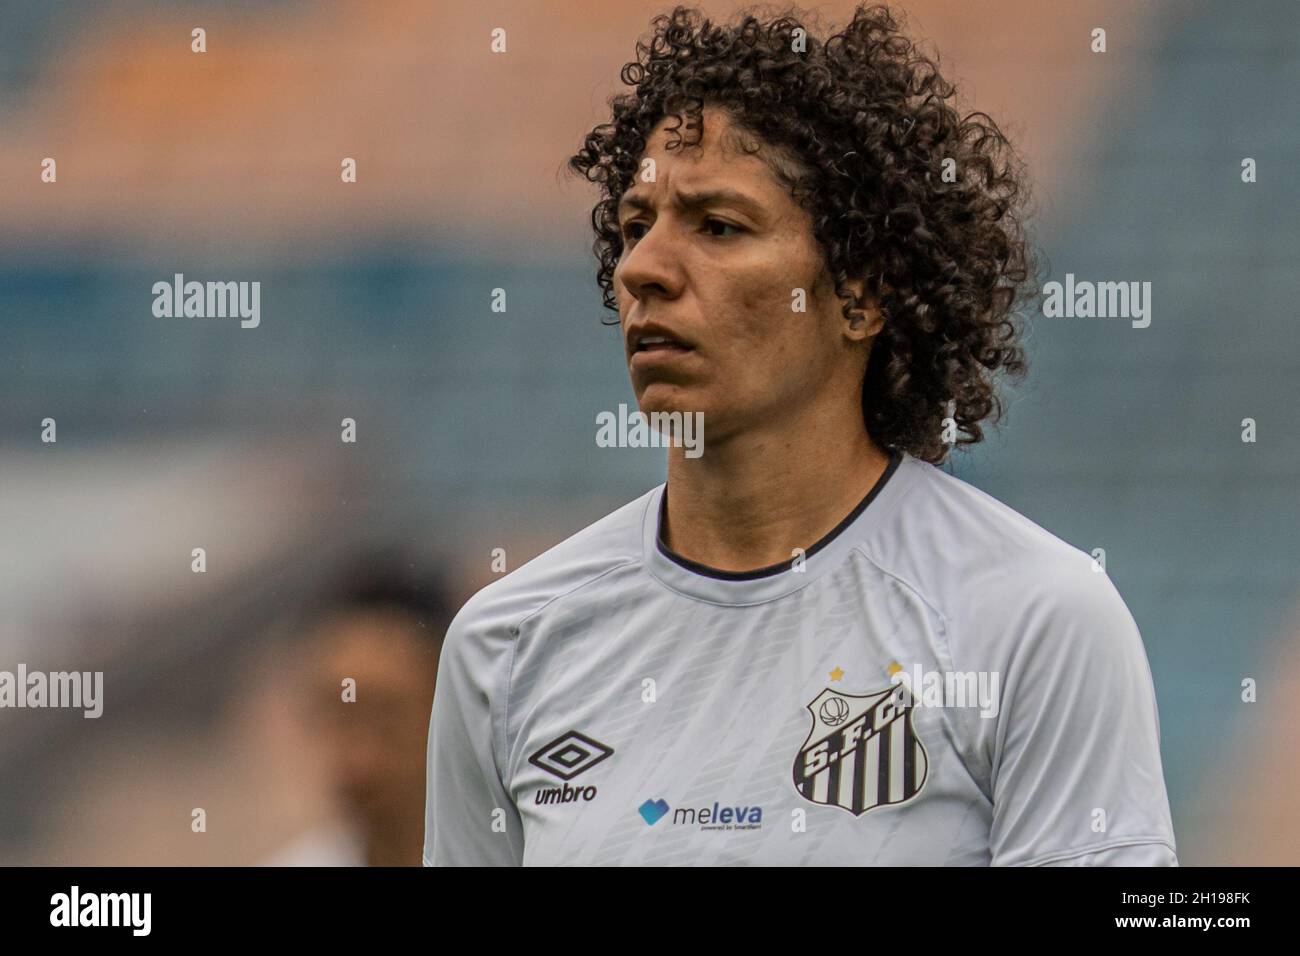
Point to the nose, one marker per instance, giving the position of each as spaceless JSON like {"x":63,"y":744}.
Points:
{"x":652,"y":266}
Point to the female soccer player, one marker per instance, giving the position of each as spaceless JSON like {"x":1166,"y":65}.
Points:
{"x":811,"y":645}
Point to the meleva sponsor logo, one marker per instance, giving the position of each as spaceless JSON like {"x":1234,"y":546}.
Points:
{"x":709,"y":817}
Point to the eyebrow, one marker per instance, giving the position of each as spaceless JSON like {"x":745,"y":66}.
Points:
{"x":686,"y":199}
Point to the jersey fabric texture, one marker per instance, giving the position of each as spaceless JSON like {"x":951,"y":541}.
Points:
{"x":612,"y":703}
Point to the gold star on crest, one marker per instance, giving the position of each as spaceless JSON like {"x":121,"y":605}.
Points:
{"x":837,"y":674}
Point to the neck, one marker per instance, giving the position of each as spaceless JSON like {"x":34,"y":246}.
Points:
{"x":751,"y":499}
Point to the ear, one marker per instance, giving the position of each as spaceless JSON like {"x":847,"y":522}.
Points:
{"x":866,"y":322}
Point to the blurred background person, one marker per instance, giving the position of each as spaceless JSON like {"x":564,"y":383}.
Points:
{"x":374,"y":660}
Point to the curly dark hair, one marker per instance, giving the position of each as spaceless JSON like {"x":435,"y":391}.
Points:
{"x":864,"y":114}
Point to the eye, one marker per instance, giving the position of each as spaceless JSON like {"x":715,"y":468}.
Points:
{"x":713,"y":224}
{"x":627,"y":230}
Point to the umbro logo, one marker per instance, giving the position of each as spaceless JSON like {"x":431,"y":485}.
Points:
{"x":565,"y":757}
{"x":569,"y":755}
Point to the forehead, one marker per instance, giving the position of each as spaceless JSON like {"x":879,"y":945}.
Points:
{"x":722,"y":135}
{"x":723,"y":156}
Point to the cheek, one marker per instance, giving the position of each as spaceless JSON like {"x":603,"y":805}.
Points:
{"x":769,"y":325}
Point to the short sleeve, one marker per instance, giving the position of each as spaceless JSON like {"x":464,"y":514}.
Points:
{"x":470,"y":819}
{"x":1133,"y":854}
{"x":1077,"y":776}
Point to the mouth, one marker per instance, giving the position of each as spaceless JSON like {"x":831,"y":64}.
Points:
{"x":653,"y":341}
{"x":657,"y":352}
{"x":659,"y":343}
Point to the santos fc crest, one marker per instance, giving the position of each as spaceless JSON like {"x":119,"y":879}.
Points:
{"x":862,"y":752}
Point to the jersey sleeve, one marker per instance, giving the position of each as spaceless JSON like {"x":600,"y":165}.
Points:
{"x":1077,"y":777}
{"x":470,"y":818}
{"x":1133,"y":854}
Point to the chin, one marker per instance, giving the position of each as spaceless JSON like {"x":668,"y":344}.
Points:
{"x":668,"y":398}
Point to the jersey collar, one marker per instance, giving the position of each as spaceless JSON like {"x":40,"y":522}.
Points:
{"x":763,"y":584}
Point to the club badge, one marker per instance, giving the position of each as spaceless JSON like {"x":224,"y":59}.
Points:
{"x":862,"y":752}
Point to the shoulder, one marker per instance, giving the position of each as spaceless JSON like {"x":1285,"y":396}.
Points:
{"x":605,"y":546}
{"x":985,"y":567}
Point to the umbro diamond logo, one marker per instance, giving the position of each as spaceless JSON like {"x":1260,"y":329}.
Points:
{"x":569,"y":755}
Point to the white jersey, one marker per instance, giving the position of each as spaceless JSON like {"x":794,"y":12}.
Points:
{"x":938,"y":681}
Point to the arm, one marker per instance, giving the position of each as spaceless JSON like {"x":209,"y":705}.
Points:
{"x":1077,"y":772}
{"x":470,"y":818}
